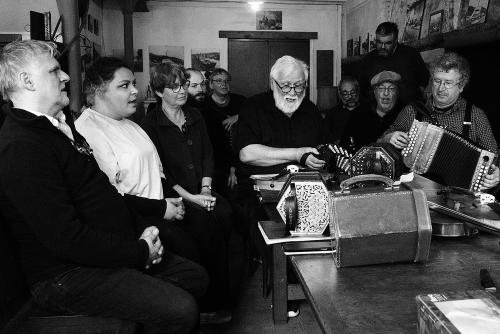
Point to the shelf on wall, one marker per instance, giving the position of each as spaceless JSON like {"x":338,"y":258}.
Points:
{"x":475,"y":34}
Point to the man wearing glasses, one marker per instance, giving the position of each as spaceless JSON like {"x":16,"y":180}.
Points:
{"x":349,"y":106}
{"x":389,"y":55}
{"x":280,"y":127}
{"x":370,"y":123}
{"x":449,"y":75}
{"x":221,"y":112}
{"x":226,"y":105}
{"x":276,"y":129}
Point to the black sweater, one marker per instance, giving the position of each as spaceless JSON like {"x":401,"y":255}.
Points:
{"x":186,"y":156}
{"x":59,"y":206}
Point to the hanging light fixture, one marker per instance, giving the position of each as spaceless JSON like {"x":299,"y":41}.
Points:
{"x":255,"y":5}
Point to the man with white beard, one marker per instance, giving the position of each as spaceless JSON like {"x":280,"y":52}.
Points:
{"x":280,"y":127}
{"x":277,"y":128}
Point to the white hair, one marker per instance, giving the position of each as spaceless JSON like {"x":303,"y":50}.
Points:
{"x":16,"y":57}
{"x":285,"y":65}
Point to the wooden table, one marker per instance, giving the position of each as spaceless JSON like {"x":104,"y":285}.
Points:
{"x":381,"y":298}
{"x":282,"y":245}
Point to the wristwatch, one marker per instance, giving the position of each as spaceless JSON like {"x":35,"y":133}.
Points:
{"x":207,"y":186}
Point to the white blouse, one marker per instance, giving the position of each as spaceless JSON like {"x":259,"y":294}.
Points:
{"x":124,"y":152}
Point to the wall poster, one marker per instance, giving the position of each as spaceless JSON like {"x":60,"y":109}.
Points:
{"x":413,"y":24}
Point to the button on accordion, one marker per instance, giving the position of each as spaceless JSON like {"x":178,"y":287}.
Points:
{"x":446,"y":157}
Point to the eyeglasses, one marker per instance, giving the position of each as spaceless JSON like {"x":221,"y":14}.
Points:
{"x":221,"y":81}
{"x":195,"y":85}
{"x":382,"y":89}
{"x":177,"y":88}
{"x":286,"y":88}
{"x":349,"y":93}
{"x":447,"y":84}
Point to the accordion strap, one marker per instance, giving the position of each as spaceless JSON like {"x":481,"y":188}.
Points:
{"x":467,"y":120}
{"x":422,"y":110}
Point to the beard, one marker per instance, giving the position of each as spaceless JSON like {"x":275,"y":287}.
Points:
{"x":287,"y":107}
{"x":197,"y":100}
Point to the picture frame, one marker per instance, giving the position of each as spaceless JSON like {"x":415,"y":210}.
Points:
{"x":90,"y":23}
{"x":373,"y":44}
{"x":365,"y":45}
{"x":414,"y":17}
{"x":436,"y":22}
{"x":205,"y":60}
{"x":138,"y":61}
{"x":269,"y":20}
{"x":96,"y":27}
{"x":350,"y":44}
{"x":158,"y":54}
{"x":473,"y":12}
{"x":356,"y":47}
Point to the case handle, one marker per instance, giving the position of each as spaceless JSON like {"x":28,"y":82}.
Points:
{"x":351,"y":182}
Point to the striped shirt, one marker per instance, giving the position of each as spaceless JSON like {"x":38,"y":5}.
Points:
{"x":452,"y":120}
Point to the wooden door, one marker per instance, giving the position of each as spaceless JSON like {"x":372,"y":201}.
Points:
{"x":247,"y":63}
{"x":250,"y":60}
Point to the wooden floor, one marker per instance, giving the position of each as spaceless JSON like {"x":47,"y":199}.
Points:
{"x":254,"y":314}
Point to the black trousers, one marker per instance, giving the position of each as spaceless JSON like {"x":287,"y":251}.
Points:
{"x":162,"y":298}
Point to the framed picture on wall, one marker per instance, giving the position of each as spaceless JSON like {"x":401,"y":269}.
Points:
{"x":356,"y":47}
{"x":205,"y":60}
{"x":349,"y":47}
{"x":90,"y":23}
{"x":365,"y":45}
{"x":436,"y":22}
{"x":138,"y":60}
{"x":269,"y":20}
{"x":373,"y":44}
{"x":472,"y":12}
{"x":413,"y":24}
{"x":159,"y":53}
{"x":96,"y":27}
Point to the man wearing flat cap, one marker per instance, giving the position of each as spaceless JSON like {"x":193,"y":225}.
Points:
{"x":370,"y":124}
{"x":389,"y":55}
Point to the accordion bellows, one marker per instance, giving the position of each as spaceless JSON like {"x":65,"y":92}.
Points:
{"x":446,"y":157}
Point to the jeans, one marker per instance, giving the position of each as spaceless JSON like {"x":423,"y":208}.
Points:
{"x":162,"y":298}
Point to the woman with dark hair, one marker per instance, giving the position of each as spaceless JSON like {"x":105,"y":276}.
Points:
{"x":130,"y":160}
{"x":181,"y":138}
{"x":125,"y":153}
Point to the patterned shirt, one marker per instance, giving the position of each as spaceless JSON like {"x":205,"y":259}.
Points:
{"x":452,"y":120}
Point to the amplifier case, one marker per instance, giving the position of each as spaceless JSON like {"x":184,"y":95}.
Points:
{"x":380,"y":225}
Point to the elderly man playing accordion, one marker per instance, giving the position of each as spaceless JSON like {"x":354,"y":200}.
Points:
{"x":449,"y":75}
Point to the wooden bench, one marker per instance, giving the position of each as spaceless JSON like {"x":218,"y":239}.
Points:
{"x":18,"y":314}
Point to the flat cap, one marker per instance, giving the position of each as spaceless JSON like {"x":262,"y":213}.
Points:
{"x":385,"y":76}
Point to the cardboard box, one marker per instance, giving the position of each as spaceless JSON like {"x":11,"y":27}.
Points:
{"x":465,"y":312}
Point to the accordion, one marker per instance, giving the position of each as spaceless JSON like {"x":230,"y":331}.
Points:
{"x":446,"y":157}
{"x":303,"y":204}
{"x":380,"y":158}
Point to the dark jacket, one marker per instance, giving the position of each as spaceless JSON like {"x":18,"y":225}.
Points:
{"x":338,"y":118}
{"x":368,"y":126}
{"x":260,"y":122}
{"x":61,"y":208}
{"x":406,"y":61}
{"x":187,"y":155}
